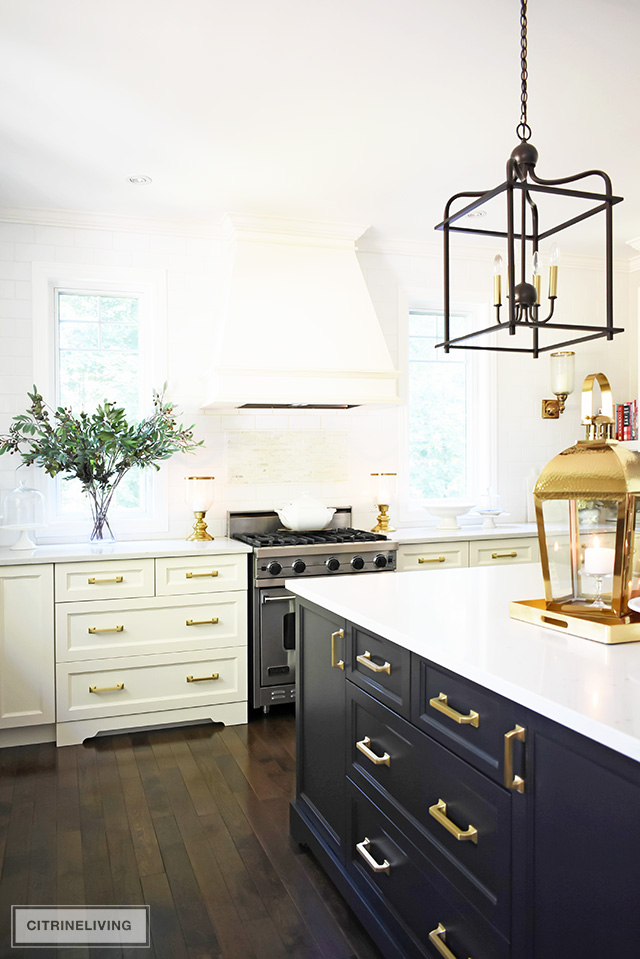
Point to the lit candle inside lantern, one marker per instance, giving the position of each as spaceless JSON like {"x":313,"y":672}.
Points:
{"x":599,"y":560}
{"x":536,"y":275}
{"x":497,"y":280}
{"x":553,"y":271}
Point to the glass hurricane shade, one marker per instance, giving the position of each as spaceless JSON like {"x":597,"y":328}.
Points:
{"x":199,"y":493}
{"x":384,"y":488}
{"x":562,"y":372}
{"x":23,"y":510}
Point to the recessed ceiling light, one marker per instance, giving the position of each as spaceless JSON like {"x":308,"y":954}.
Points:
{"x":139,"y":178}
{"x":477,"y":213}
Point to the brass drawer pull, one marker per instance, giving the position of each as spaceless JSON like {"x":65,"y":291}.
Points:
{"x":202,"y":679}
{"x":214,"y":572}
{"x":363,"y":746}
{"x":108,"y":629}
{"x":511,"y":781}
{"x":511,"y":555}
{"x":365,"y":659}
{"x":106,"y":689}
{"x":92,"y":581}
{"x":436,"y":938}
{"x":363,"y":849}
{"x":435,"y":559}
{"x":441,"y":703}
{"x":439,"y":813}
{"x":202,"y":622}
{"x":337,"y":663}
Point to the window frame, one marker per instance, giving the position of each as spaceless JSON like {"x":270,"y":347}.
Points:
{"x":482,"y":405}
{"x":150,"y":286}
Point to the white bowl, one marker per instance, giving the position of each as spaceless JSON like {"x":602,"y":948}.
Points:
{"x":448,"y":511}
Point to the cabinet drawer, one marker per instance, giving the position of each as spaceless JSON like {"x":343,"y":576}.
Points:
{"x":503,"y":552}
{"x":415,"y":896}
{"x":381,"y":668}
{"x":214,"y":573}
{"x":410,"y":775}
{"x":104,"y":579}
{"x":147,"y":626}
{"x":430,"y":556}
{"x":149,"y":683}
{"x":468,"y":719}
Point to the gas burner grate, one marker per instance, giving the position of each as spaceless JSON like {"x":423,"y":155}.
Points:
{"x":308,"y":537}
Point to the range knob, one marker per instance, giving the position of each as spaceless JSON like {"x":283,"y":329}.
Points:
{"x":357,"y":562}
{"x":380,"y":561}
{"x":298,"y":566}
{"x":333,"y":564}
{"x":274,"y":568}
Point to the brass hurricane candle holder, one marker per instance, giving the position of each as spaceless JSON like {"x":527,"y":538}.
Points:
{"x":385,"y":488}
{"x":199,"y":496}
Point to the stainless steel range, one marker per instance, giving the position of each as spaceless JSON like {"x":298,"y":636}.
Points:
{"x":280,"y":554}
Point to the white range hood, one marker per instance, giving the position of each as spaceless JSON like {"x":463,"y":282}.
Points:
{"x":297,"y":327}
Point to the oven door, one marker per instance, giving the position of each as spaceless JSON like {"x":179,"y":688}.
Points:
{"x":275,"y":636}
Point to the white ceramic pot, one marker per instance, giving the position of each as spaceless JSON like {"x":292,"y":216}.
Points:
{"x":305,"y":512}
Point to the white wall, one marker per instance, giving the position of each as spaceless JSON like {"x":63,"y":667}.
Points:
{"x":193,"y":265}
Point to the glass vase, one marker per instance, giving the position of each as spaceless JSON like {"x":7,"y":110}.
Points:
{"x":101,"y":531}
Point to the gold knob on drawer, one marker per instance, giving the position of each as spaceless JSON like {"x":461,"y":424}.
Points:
{"x":439,"y":813}
{"x":441,"y":703}
{"x":436,"y":938}
{"x":106,"y":689}
{"x":428,"y":559}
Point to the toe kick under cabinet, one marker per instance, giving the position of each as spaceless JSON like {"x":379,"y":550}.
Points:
{"x":142,"y":642}
{"x":457,"y":823}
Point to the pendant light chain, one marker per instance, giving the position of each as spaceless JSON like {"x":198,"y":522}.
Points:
{"x":523,"y":130}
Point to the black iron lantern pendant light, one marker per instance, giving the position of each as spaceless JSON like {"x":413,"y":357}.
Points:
{"x":523,"y":235}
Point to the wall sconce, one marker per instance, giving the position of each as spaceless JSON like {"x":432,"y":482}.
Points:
{"x":562,"y":377}
{"x":199,"y":497}
{"x":385,"y":489}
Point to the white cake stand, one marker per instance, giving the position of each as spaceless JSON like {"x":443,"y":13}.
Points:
{"x":490,"y":517}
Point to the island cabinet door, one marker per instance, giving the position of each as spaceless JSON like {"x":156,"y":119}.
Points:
{"x":585,"y":840}
{"x":322,"y":640}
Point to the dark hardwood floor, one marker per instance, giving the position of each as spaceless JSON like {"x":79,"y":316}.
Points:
{"x":192,"y":821}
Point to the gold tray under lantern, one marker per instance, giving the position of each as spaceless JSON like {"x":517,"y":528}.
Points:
{"x":535,"y":611}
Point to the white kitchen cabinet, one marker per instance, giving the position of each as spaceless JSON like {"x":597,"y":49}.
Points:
{"x":149,"y":641}
{"x":430,"y":556}
{"x":503,"y":552}
{"x":26,"y":653}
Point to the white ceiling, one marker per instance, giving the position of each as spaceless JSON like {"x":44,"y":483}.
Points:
{"x":343,"y":110}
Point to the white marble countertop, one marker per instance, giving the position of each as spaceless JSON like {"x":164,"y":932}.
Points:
{"x":135,"y":549}
{"x":459,"y":619}
{"x":430,"y":534}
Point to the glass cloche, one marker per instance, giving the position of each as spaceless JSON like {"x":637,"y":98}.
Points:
{"x":23,"y":510}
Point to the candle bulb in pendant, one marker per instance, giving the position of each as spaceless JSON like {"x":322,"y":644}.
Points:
{"x":553,"y":271}
{"x":536,"y":275}
{"x":497,"y":280}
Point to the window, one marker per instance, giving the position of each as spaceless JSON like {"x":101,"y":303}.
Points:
{"x":100,"y":335}
{"x":450,"y":427}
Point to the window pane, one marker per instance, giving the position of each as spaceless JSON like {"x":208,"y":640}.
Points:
{"x":79,"y":336}
{"x":72,"y":306}
{"x":89,"y":377}
{"x":123,"y":309}
{"x":437,"y":415}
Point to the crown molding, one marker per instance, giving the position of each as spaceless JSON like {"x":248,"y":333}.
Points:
{"x":277,"y":229}
{"x":82,"y":220}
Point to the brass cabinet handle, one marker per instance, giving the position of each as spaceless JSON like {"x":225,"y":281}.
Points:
{"x":365,"y":659}
{"x":435,"y":559}
{"x":202,"y":679}
{"x":106,"y":689}
{"x":92,"y":581}
{"x":439,"y":813}
{"x":202,"y":622}
{"x":511,"y":781}
{"x":363,"y":746}
{"x":214,"y":572}
{"x":510,"y":555}
{"x":441,"y":703}
{"x":337,"y":663}
{"x":108,"y":629}
{"x":436,"y":938}
{"x":363,"y":849}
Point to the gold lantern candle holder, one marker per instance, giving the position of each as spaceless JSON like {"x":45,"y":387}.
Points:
{"x":384,"y":493}
{"x":587,"y":501}
{"x":199,"y":497}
